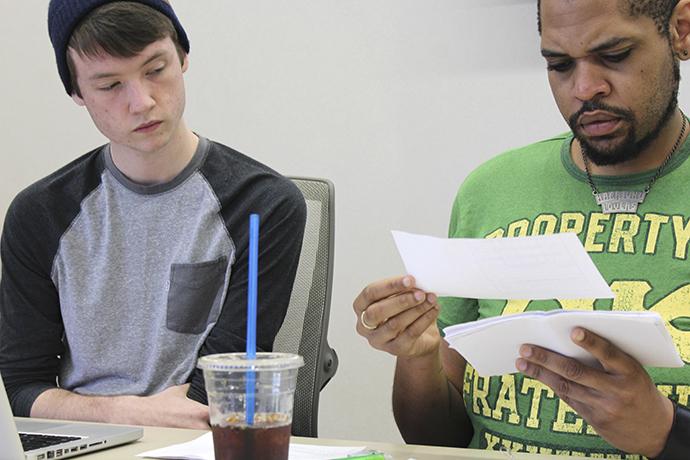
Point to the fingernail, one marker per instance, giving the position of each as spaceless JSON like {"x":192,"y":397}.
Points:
{"x":525,"y":351}
{"x":578,"y":335}
{"x":419,"y":296}
{"x":521,"y":365}
{"x":431,"y":298}
{"x":407,"y":282}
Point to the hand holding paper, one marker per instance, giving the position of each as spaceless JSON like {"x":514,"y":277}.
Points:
{"x":539,"y":267}
{"x":592,"y":360}
{"x":619,"y":400}
{"x":491,"y":345}
{"x":408,"y":314}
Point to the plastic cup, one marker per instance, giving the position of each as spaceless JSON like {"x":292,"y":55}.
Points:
{"x":267,"y":383}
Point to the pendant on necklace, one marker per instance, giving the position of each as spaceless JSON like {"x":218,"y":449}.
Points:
{"x":620,"y":202}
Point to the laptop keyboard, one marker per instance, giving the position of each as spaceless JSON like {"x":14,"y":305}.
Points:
{"x":31,"y":441}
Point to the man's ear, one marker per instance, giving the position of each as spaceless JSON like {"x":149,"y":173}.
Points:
{"x":185,"y":63}
{"x":78,"y":100}
{"x":679,"y":28}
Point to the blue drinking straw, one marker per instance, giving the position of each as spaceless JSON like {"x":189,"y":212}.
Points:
{"x":251,"y":311}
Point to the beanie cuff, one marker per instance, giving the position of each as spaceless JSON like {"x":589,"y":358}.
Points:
{"x":65,"y":15}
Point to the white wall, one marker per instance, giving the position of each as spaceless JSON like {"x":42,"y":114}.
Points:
{"x":394,"y":100}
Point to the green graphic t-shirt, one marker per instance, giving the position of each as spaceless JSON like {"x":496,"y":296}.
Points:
{"x":537,"y":190}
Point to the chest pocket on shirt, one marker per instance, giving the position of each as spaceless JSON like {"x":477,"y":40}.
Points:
{"x":195,"y":289}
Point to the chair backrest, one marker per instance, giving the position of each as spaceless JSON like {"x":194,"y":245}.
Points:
{"x":305,"y":328}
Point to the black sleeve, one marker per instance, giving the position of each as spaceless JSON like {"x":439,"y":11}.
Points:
{"x":31,"y":328}
{"x":30,"y":321}
{"x":678,"y":442}
{"x":282,"y":212}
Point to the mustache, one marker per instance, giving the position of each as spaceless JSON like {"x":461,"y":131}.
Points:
{"x":591,"y":106}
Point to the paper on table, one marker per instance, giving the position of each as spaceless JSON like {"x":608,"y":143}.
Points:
{"x":201,"y":448}
{"x":491,"y":345}
{"x":533,"y":267}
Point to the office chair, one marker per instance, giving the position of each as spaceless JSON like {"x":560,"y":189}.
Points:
{"x":305,"y":328}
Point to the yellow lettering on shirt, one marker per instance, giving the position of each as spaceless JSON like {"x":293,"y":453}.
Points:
{"x":625,"y":228}
{"x":567,"y":420}
{"x":467,"y":379}
{"x":537,"y":390}
{"x":673,"y":306}
{"x":498,"y":233}
{"x":666,"y":390}
{"x":544,"y":224}
{"x":518,"y":228}
{"x":577,"y":304}
{"x":595,"y":228}
{"x":492,"y":441}
{"x":572,"y":222}
{"x":629,"y":295}
{"x":681,"y":231}
{"x":683,"y":392}
{"x":506,"y":401}
{"x":515,"y":306}
{"x":480,"y":392}
{"x":655,"y":223}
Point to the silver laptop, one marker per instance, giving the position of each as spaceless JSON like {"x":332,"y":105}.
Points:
{"x":30,"y":439}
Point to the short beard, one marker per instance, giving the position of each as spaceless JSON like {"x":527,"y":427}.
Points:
{"x":629,"y":148}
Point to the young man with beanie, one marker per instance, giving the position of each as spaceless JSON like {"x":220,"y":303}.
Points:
{"x":620,"y":181}
{"x":123,"y":267}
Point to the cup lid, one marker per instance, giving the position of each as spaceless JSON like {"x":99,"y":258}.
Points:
{"x":238,"y":362}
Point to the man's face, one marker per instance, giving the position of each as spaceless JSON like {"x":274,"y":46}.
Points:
{"x":614,"y":77}
{"x":137,"y":102}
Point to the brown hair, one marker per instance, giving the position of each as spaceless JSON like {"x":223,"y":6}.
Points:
{"x":120,"y":29}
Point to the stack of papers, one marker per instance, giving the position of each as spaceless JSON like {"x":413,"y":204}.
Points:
{"x":529,"y":268}
{"x":492,"y":345}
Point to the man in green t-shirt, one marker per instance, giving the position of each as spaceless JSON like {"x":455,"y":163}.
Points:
{"x":621,"y":182}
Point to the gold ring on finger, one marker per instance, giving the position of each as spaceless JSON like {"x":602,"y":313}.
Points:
{"x":364,"y":323}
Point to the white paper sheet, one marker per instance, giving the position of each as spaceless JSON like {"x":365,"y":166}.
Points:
{"x":492,"y":345}
{"x":524,"y":268}
{"x":201,"y":448}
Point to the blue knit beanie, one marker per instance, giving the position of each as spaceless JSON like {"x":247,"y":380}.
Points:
{"x":65,"y":15}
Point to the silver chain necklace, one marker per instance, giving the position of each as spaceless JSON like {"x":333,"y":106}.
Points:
{"x":628,"y":201}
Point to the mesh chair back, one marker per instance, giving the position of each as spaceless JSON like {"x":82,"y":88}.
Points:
{"x":305,"y":328}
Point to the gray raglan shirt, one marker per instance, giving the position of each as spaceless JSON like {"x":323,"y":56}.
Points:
{"x":111,"y":287}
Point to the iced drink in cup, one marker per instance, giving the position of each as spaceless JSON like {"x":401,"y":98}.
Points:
{"x":250,"y":403}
